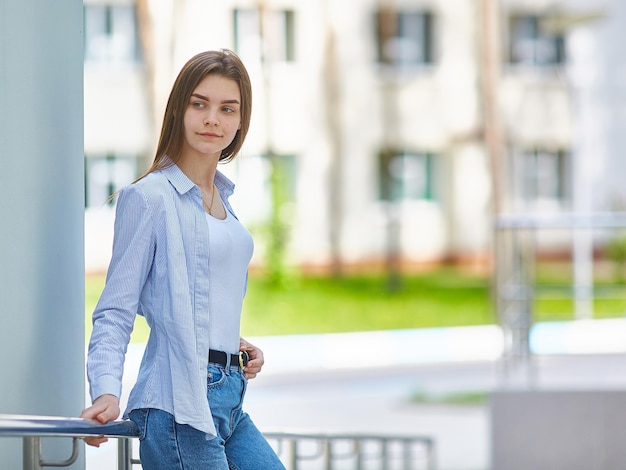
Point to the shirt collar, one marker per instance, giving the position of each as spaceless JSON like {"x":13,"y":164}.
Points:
{"x":183,"y":184}
{"x":225,"y":186}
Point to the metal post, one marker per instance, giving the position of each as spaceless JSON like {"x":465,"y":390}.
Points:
{"x":293,"y":454}
{"x":431,"y":456}
{"x":124,"y":454}
{"x":358,"y":448}
{"x":406,"y":452}
{"x":328,"y":454}
{"x":583,"y":271}
{"x":385,"y":454}
{"x":31,"y":453}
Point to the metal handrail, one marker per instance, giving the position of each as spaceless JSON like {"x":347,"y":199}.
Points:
{"x":329,"y":447}
{"x":53,"y":426}
{"x":33,"y":428}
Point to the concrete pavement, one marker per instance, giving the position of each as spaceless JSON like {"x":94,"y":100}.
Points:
{"x":363,"y":382}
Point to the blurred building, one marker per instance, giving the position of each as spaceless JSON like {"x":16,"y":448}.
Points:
{"x":376,"y":111}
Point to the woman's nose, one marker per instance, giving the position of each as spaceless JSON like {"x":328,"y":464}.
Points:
{"x":211,"y":119}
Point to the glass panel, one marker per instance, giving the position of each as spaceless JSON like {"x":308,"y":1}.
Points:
{"x":95,"y":31}
{"x":410,"y":176}
{"x":411,"y":47}
{"x":124,"y":33}
{"x":542,"y":176}
{"x":531,"y":46}
{"x":247,"y":36}
{"x":549,"y":176}
{"x":278,"y":31}
{"x":405,"y":38}
{"x":111,"y":34}
{"x":105,"y":174}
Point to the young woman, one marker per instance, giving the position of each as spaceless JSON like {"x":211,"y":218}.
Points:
{"x":180,"y":259}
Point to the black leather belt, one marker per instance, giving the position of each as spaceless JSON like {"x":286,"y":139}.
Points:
{"x":221,"y":358}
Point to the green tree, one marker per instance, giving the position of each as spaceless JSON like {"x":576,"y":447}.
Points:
{"x":277,"y":227}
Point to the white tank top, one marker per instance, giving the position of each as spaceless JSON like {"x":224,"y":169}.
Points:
{"x":230,"y":251}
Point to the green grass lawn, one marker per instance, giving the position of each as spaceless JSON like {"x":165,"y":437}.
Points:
{"x":554,"y":292}
{"x":361,"y":303}
{"x":439,"y":298}
{"x":355,"y":303}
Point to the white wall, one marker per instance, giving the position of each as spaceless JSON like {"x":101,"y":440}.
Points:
{"x":440,"y":110}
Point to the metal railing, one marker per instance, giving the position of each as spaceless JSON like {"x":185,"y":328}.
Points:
{"x":33,"y":428}
{"x":299,"y":451}
{"x":303,"y":451}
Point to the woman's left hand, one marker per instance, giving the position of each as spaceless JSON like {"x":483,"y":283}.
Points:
{"x":256,"y":361}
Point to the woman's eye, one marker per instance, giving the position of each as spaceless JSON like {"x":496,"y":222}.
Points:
{"x":229,"y":110}
{"x":197,"y":104}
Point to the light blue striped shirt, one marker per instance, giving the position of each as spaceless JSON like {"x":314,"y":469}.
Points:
{"x":159,"y":269}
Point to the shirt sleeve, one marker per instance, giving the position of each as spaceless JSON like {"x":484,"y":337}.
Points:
{"x":114,"y":316}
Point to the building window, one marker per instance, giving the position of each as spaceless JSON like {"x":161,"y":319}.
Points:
{"x":274,"y":39}
{"x":105,"y":174}
{"x":404,"y":38}
{"x":532,"y":44}
{"x":543,"y":176}
{"x":407,"y":176}
{"x":111,"y":35}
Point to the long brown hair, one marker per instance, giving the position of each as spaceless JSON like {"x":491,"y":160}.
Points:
{"x":222,"y":62}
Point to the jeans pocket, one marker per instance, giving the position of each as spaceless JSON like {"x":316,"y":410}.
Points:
{"x":215,"y":377}
{"x":140,"y":418}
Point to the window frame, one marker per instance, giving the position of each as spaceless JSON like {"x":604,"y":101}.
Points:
{"x":120,"y":169}
{"x":398,"y":37}
{"x":395,"y":189}
{"x":132,"y":55}
{"x":528,"y":181}
{"x":537,"y":38}
{"x":286,"y":52}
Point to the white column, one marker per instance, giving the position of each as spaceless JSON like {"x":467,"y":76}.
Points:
{"x":41,"y":216}
{"x":589,"y":151}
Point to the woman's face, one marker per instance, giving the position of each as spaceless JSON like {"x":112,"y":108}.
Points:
{"x":212,"y":117}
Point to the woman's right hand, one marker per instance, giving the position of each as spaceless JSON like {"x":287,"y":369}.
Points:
{"x":105,"y":408}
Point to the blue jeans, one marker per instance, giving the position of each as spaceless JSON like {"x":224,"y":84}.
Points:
{"x":239,"y":445}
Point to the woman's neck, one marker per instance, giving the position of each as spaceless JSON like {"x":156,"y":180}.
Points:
{"x":199,"y":170}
